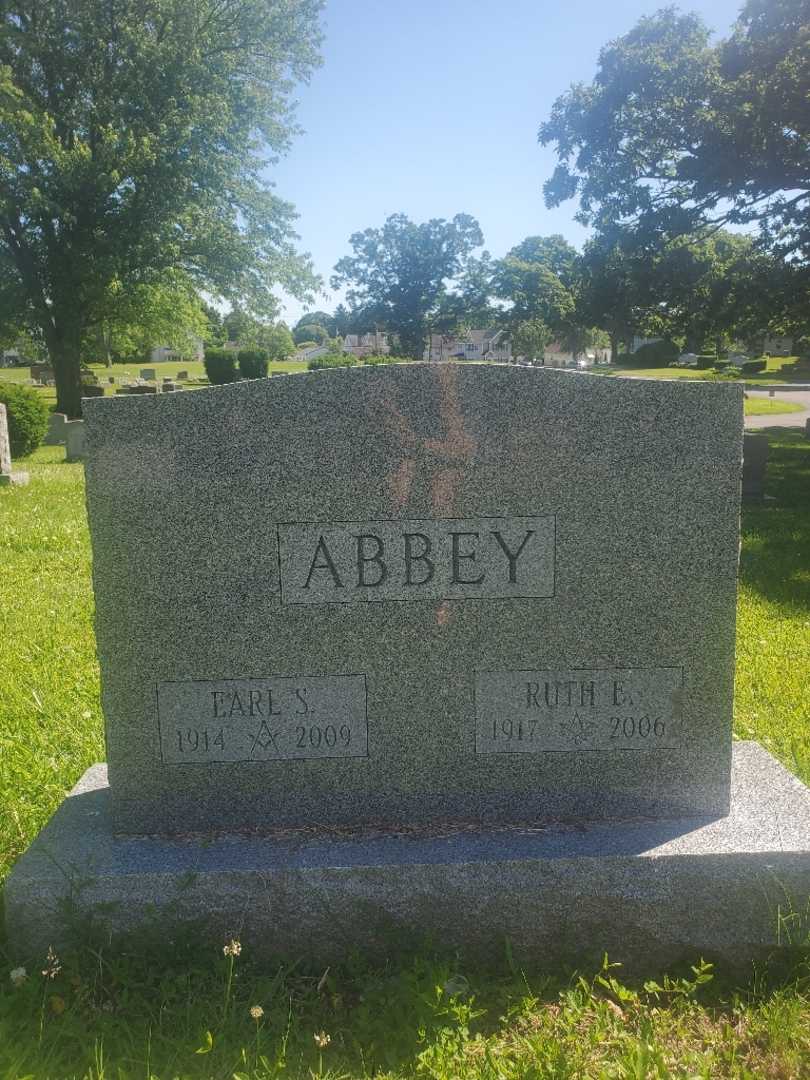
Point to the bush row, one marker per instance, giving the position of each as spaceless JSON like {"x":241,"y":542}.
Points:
{"x":228,"y":365}
{"x":331,"y":360}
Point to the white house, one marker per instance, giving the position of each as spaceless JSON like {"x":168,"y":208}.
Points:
{"x":161,"y":353}
{"x":373,"y":344}
{"x":311,"y":353}
{"x":554,"y":355}
{"x":474,"y":345}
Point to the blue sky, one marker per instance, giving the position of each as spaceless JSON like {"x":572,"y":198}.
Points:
{"x":431,"y":108}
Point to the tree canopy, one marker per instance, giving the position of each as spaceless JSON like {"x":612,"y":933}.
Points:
{"x":674,"y":132}
{"x":399,"y":275}
{"x":133,"y":135}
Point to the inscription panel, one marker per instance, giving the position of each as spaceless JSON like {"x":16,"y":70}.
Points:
{"x":269,"y":719}
{"x":578,"y":710}
{"x":460,"y":558}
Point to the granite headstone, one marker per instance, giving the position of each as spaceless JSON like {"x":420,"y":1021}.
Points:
{"x":8,"y":475}
{"x":416,"y":593}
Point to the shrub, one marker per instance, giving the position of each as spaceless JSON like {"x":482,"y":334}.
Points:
{"x":705,"y":362}
{"x":220,"y":366}
{"x":332,"y":360}
{"x":92,"y":390}
{"x":253,"y":363}
{"x":655,"y":354}
{"x":749,"y":367}
{"x":375,"y":359}
{"x":27,"y":418}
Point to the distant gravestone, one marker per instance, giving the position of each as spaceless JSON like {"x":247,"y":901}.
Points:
{"x":182,"y":376}
{"x":55,"y":435}
{"x":427,"y":648}
{"x":41,"y":373}
{"x":7,"y":474}
{"x":74,"y":440}
{"x":148,"y":374}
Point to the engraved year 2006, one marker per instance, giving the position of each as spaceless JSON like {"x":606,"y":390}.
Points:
{"x":623,"y":727}
{"x":630,"y":727}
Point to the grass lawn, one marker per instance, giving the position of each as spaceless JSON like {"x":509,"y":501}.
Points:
{"x":130,"y":372}
{"x":780,"y":369}
{"x":140,"y":1017}
{"x":770,"y":406}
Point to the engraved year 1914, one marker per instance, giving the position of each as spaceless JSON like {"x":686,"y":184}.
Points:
{"x":263,"y":719}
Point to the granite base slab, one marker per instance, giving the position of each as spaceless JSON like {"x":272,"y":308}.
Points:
{"x":649,"y":893}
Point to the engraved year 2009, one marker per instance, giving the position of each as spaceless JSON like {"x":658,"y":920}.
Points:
{"x":315,"y":736}
{"x":269,"y":719}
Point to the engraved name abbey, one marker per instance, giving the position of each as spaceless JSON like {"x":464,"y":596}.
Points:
{"x":272,"y":719}
{"x":461,"y":558}
{"x":589,"y":709}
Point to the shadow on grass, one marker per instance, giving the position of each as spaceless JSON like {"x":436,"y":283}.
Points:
{"x":776,"y":536}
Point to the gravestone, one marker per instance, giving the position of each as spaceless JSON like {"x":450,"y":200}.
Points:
{"x":8,"y":475}
{"x":182,"y":376}
{"x":74,"y":439}
{"x":437,"y":648}
{"x":148,"y":374}
{"x":55,"y":435}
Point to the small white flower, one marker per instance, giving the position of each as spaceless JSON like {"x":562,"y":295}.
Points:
{"x":18,"y":976}
{"x":256,"y":1011}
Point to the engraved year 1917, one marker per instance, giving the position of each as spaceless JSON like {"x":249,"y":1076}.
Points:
{"x":589,"y":710}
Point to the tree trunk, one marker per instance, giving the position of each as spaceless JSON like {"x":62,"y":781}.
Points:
{"x":64,"y":347}
{"x":614,"y":348}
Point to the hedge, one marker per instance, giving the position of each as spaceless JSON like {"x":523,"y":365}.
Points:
{"x":253,"y":363}
{"x":332,"y":360}
{"x":655,"y":354}
{"x":220,"y":366}
{"x":27,"y":416}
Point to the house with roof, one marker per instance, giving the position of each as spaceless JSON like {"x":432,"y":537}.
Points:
{"x":487,"y":345}
{"x":373,"y":344}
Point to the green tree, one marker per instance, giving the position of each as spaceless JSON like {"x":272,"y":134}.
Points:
{"x":316,"y":318}
{"x":133,"y":137}
{"x":145,"y":315}
{"x":675,"y":133}
{"x":310,"y":332}
{"x":530,"y":338}
{"x":277,"y":341}
{"x":526,"y":279}
{"x":214,"y":334}
{"x":399,"y":275}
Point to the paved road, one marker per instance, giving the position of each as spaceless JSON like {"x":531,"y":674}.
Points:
{"x":791,"y":419}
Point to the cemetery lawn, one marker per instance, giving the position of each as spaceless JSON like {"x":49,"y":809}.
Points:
{"x":779,"y":369}
{"x":765,"y":406}
{"x":150,"y":1017}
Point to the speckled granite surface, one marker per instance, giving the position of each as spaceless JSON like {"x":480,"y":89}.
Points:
{"x":647,"y":892}
{"x":581,"y":531}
